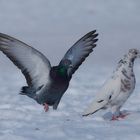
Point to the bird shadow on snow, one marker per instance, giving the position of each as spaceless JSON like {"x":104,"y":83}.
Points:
{"x":130,"y":115}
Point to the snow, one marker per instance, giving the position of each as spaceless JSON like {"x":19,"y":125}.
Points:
{"x":23,"y":119}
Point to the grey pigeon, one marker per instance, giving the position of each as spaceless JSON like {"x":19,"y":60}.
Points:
{"x":46,"y":84}
{"x":117,"y":89}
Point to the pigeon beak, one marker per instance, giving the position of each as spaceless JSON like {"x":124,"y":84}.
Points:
{"x":71,"y":66}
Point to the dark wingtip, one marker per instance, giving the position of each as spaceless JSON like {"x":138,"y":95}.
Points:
{"x":85,"y":115}
{"x":93,"y":31}
{"x":95,"y":40}
{"x":92,"y":34}
{"x":95,"y":35}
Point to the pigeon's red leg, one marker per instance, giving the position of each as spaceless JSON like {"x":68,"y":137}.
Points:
{"x":46,"y":107}
{"x":114,"y":118}
{"x":122,"y":116}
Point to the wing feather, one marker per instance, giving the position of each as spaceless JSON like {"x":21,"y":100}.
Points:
{"x":32,"y":63}
{"x":80,"y":50}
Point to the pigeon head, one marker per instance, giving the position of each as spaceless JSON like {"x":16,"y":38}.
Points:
{"x":64,"y":66}
{"x":134,"y":53}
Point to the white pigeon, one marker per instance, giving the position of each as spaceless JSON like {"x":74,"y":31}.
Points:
{"x":117,"y":89}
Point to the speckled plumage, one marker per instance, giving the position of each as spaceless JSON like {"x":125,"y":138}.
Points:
{"x":118,"y":88}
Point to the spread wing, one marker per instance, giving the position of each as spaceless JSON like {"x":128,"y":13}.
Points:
{"x":33,"y":64}
{"x":80,"y":50}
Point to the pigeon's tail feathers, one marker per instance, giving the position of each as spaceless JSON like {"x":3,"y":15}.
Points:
{"x":29,"y":91}
{"x":26,"y":90}
{"x":94,"y":107}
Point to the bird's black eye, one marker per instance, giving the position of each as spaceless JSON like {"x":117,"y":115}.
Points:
{"x":136,"y":53}
{"x":67,"y":62}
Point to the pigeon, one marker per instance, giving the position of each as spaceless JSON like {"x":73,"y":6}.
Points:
{"x":117,"y":88}
{"x":46,"y":84}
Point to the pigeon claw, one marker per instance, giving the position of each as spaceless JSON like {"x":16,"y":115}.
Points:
{"x":46,"y":107}
{"x":122,"y":116}
{"x":114,"y":118}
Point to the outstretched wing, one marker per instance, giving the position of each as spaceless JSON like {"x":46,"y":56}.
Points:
{"x":33,"y":64}
{"x":80,"y":50}
{"x":107,"y":94}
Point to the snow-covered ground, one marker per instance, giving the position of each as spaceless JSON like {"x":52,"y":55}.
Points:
{"x":23,"y":119}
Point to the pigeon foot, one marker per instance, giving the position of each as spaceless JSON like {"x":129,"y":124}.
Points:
{"x":122,"y":116}
{"x":114,"y":118}
{"x":46,"y":107}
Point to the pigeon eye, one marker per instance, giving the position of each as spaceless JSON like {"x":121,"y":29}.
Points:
{"x":67,"y":62}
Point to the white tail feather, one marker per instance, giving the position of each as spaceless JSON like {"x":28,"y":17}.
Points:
{"x":95,"y":106}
